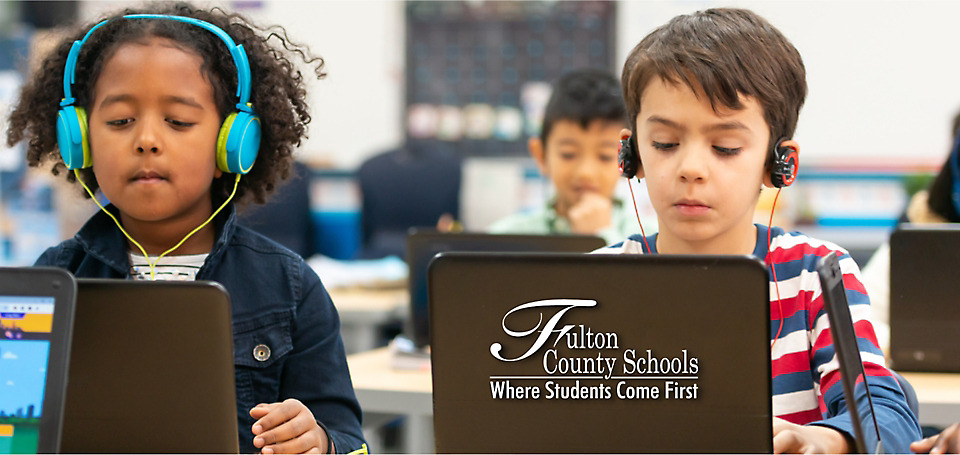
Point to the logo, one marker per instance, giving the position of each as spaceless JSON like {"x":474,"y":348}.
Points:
{"x":581,"y":363}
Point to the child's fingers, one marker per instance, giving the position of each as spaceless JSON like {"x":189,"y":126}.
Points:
{"x":786,"y":441}
{"x":303,"y":444}
{"x":262,"y":409}
{"x":291,"y":429}
{"x":949,"y":441}
{"x":277,"y":414}
{"x":923,"y":445}
{"x":289,"y":421}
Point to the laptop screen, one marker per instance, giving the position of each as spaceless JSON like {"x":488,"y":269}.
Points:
{"x":26,"y":323}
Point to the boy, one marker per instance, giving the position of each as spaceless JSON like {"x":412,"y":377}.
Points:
{"x":710,"y":97}
{"x":577,"y":151}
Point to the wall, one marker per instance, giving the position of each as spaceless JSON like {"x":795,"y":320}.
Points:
{"x":881,"y":75}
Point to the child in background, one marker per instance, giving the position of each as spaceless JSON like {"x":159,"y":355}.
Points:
{"x":712,"y":101}
{"x":168,"y":114}
{"x":577,"y":151}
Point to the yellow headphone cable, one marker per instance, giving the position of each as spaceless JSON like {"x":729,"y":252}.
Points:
{"x":153,"y":264}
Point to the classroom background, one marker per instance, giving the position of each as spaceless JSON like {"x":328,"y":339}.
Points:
{"x":427,"y":106}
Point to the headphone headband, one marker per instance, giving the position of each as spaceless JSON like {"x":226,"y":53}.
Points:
{"x":237,"y":52}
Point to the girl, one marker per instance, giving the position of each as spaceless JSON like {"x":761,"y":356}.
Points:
{"x":163,"y":114}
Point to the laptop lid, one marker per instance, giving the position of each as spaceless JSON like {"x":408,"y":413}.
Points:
{"x":151,"y":369}
{"x":578,"y":353}
{"x":423,"y":245}
{"x":36,"y":316}
{"x":855,"y":387}
{"x":923,"y":297}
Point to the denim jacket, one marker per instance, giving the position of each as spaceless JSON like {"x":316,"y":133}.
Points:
{"x":276,"y":299}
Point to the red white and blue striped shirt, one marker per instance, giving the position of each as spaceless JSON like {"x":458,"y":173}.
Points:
{"x":806,"y":376}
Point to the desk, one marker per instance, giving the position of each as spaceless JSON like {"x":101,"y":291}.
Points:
{"x":383,"y":390}
{"x":939,"y":397}
{"x":364,"y":311}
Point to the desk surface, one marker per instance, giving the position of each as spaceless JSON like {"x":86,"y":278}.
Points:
{"x":382,"y":389}
{"x":369,"y":306}
{"x":939,"y":397}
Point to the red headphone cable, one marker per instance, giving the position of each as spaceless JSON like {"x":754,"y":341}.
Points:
{"x":776,"y":283}
{"x":774,"y":270}
{"x":635,"y":210}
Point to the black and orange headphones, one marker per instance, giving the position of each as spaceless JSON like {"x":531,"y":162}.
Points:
{"x":783,"y":172}
{"x":783,"y":169}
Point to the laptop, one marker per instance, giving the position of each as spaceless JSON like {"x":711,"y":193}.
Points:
{"x":151,"y":369}
{"x":924,"y":292}
{"x":423,"y":245}
{"x":855,"y":388}
{"x":36,"y":316}
{"x":584,"y":353}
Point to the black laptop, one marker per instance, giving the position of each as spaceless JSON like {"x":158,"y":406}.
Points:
{"x":925,"y":298}
{"x":855,"y":387}
{"x":423,"y":245}
{"x":36,"y":317}
{"x":151,"y":369}
{"x":565,"y":353}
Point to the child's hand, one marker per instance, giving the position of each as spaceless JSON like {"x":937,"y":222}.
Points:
{"x":792,"y":438}
{"x":946,"y":442}
{"x":591,"y":214}
{"x":287,"y":427}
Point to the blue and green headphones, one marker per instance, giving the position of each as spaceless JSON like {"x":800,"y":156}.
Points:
{"x":239,"y":139}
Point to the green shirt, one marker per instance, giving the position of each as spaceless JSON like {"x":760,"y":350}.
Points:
{"x":546,"y":221}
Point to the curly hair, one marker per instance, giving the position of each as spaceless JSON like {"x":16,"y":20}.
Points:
{"x":277,"y":94}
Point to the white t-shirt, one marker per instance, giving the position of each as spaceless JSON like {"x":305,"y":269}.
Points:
{"x":170,"y":268}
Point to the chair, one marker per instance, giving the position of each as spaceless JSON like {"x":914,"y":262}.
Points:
{"x":405,"y":188}
{"x":285,"y":218}
{"x":908,"y":393}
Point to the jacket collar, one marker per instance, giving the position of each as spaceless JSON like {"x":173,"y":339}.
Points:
{"x":101,"y":238}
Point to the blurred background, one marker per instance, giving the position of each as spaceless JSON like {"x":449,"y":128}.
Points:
{"x":427,"y":108}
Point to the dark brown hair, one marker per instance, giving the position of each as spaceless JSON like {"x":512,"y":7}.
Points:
{"x":278,"y":94}
{"x":727,"y":53}
{"x":940,"y":196}
{"x":583,"y":96}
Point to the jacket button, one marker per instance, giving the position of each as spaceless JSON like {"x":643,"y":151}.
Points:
{"x":261,"y":352}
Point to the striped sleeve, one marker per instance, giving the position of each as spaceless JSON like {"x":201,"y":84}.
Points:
{"x":632,"y":245}
{"x":806,"y":346}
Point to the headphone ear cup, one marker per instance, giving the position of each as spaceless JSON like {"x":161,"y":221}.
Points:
{"x":72,"y":137}
{"x":785,"y":166}
{"x":627,"y":159}
{"x":238,"y":143}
